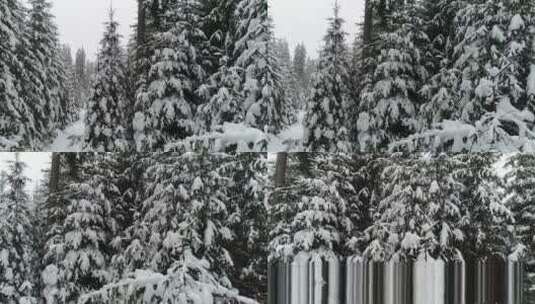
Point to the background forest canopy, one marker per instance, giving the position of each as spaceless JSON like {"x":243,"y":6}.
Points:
{"x":193,"y":226}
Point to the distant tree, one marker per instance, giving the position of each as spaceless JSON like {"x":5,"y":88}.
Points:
{"x":326,"y":128}
{"x":106,"y":121}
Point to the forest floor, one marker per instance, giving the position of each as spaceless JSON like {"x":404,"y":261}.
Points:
{"x":69,"y":139}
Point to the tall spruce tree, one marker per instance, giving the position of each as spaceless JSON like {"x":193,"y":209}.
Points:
{"x":15,"y":237}
{"x":326,"y":118}
{"x":393,"y":99}
{"x":520,"y":182}
{"x":261,"y":87}
{"x":171,"y":95}
{"x":107,"y":106}
{"x":51,"y":103}
{"x":14,"y":110}
{"x":420,"y":212}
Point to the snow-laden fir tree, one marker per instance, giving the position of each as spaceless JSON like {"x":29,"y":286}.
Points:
{"x":290,"y":84}
{"x":261,"y":87}
{"x":13,"y":108}
{"x":520,"y":185}
{"x":184,"y":213}
{"x":420,"y":212}
{"x":486,"y":219}
{"x":105,"y":119}
{"x":389,"y":106}
{"x":247,"y":216}
{"x":84,"y":259}
{"x":16,"y":274}
{"x":176,"y":72}
{"x":326,"y":128}
{"x":311,"y":212}
{"x":299,"y":65}
{"x":494,"y":52}
{"x":50,"y":112}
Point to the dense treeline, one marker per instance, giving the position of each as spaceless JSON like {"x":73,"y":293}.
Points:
{"x":105,"y":227}
{"x":33,"y":96}
{"x":441,"y":76}
{"x":193,"y":67}
{"x":380,"y":207}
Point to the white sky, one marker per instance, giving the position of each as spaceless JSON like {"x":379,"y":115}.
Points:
{"x":306,"y":20}
{"x":80,"y":22}
{"x":35,"y":161}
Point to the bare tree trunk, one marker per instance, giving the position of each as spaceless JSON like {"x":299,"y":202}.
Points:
{"x":140,"y":23}
{"x":281,"y":166}
{"x":54,"y":173}
{"x":72,"y":161}
{"x":368,"y":27}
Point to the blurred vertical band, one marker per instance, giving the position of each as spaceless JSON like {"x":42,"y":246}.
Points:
{"x":319,"y":279}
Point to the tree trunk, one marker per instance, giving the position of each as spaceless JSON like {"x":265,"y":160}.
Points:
{"x":281,"y":166}
{"x":54,"y":173}
{"x":368,"y":27}
{"x":140,"y":23}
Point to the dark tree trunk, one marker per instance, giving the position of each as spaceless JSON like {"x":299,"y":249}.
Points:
{"x":368,"y":27}
{"x":54,"y":173}
{"x":281,"y":166}
{"x":141,"y":23}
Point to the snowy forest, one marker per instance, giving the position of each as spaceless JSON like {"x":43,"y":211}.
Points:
{"x":203,"y":228}
{"x":192,"y":70}
{"x":441,"y":76}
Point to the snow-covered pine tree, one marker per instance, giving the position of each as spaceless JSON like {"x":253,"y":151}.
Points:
{"x":261,"y":86}
{"x":486,"y":219}
{"x":290,"y":84}
{"x":494,"y":53}
{"x":13,"y":110}
{"x":326,"y":128}
{"x":50,"y":102}
{"x":520,"y":189}
{"x":184,"y":213}
{"x":393,"y":99}
{"x":176,"y":72}
{"x":107,"y":106}
{"x":85,"y":232}
{"x":420,"y":212}
{"x":16,"y":275}
{"x":299,"y":65}
{"x":72,"y":112}
{"x":311,"y":212}
{"x":81,"y":83}
{"x":247,"y":216}
{"x":439,"y":93}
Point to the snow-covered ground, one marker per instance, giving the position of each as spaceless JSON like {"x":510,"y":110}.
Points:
{"x":70,"y":139}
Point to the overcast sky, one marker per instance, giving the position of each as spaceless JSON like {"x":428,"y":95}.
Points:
{"x":36,"y":162}
{"x":80,"y":22}
{"x":306,"y":20}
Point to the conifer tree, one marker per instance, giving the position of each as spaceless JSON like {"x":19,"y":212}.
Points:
{"x":50,"y":104}
{"x":13,"y":109}
{"x":183,"y":215}
{"x":486,"y":218}
{"x":393,"y":100}
{"x":247,"y":217}
{"x":326,"y":118}
{"x":15,"y":237}
{"x":311,"y":213}
{"x":520,"y":183}
{"x":84,"y":259}
{"x":171,"y":95}
{"x":107,"y":105}
{"x":420,"y":212}
{"x":261,"y":86}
